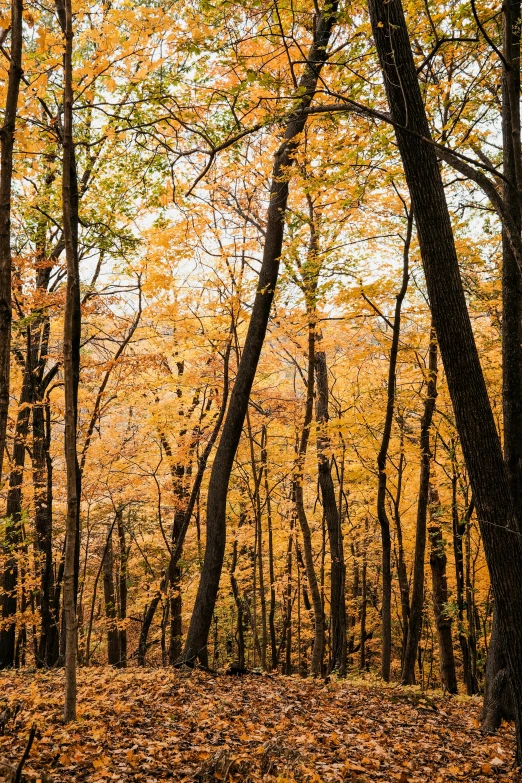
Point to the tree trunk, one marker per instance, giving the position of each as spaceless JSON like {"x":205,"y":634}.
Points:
{"x":333,"y":521}
{"x":240,"y":635}
{"x":498,"y":699}
{"x":196,"y":642}
{"x":13,"y":528}
{"x":402,"y":574}
{"x":417,"y":593}
{"x":459,"y":529}
{"x":316,"y":663}
{"x":497,"y":695}
{"x":176,"y":628}
{"x":271,"y":572}
{"x":109,"y":594}
{"x":362,"y":651}
{"x":42,"y":482}
{"x":7,"y":139}
{"x":122,"y":592}
{"x":439,"y":584}
{"x":382,"y":457}
{"x":71,"y":365}
{"x":287,"y":625}
{"x":499,"y":524}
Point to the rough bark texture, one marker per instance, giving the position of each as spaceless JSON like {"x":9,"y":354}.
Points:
{"x":497,"y":694}
{"x":417,"y":593}
{"x":473,"y":414}
{"x":439,"y":584}
{"x":498,"y":699}
{"x":196,"y":642}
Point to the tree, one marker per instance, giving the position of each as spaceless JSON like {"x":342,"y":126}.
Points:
{"x":196,"y":642}
{"x":480,"y":445}
{"x":7,"y":141}
{"x":71,"y":362}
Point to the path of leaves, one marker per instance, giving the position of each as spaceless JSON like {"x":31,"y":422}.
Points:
{"x":159,"y":725}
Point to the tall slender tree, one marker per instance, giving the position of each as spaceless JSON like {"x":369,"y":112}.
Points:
{"x":196,"y":642}
{"x":7,"y":140}
{"x":382,"y":459}
{"x":417,"y":593}
{"x":474,"y":418}
{"x":497,"y":694}
{"x":71,"y":360}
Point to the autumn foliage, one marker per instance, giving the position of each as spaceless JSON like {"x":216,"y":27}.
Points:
{"x":353,"y":546}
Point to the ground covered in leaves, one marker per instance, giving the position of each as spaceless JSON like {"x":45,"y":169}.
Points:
{"x":155,"y":725}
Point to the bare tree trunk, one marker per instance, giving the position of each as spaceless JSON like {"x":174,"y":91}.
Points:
{"x":459,"y":529}
{"x":257,"y":475}
{"x":240,"y":636}
{"x":71,"y":365}
{"x":271,"y":572}
{"x":402,"y":573}
{"x":196,"y":642}
{"x":439,"y":584}
{"x":382,"y":458}
{"x":122,"y":603}
{"x":498,"y":521}
{"x":417,"y":594}
{"x":13,"y":528}
{"x":7,"y":139}
{"x":333,"y":520}
{"x":497,"y":695}
{"x":287,"y":626}
{"x":316,"y":663}
{"x":109,"y":594}
{"x":364,"y":600}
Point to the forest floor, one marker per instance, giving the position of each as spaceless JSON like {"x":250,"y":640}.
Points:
{"x":157,"y":724}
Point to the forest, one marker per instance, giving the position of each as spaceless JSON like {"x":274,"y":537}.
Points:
{"x":260,"y":390}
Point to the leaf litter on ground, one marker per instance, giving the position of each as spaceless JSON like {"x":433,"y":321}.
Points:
{"x":151,"y":725}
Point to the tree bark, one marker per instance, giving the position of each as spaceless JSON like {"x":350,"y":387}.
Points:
{"x":417,"y":594}
{"x":497,"y":695}
{"x":498,"y":521}
{"x":196,"y":642}
{"x":439,"y":584}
